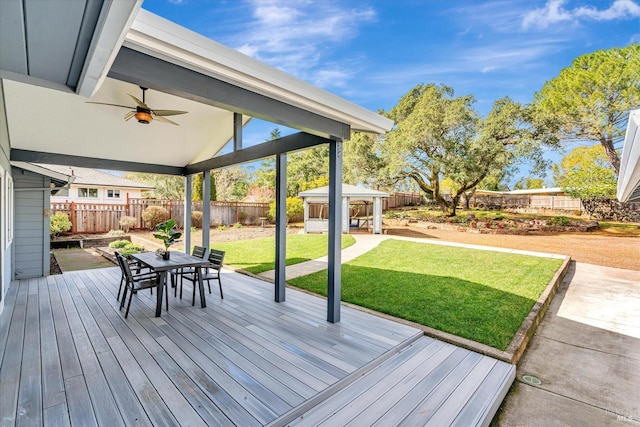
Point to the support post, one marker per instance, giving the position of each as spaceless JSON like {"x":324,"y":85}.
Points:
{"x":281,"y":226}
{"x":306,"y":214}
{"x":334,"y":282}
{"x":346,"y":217}
{"x":237,"y":132}
{"x":188,"y":195}
{"x":206,"y":208}
{"x":377,"y":215}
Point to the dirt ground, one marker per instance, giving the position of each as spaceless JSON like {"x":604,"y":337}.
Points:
{"x":600,"y":248}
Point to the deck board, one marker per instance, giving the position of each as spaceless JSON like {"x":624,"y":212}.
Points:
{"x":69,"y":357}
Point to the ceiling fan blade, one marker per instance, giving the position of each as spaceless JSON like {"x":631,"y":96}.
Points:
{"x":168,"y":112}
{"x":113,"y":105}
{"x":140,"y":103}
{"x":129,"y":115}
{"x":164,"y":119}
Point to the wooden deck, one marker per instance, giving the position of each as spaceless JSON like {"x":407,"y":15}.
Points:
{"x":68,"y":357}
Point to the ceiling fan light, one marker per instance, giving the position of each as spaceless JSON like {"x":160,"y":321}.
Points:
{"x":143,"y":117}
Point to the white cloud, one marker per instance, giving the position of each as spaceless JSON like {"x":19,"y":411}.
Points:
{"x":298,"y":37}
{"x":554,"y":12}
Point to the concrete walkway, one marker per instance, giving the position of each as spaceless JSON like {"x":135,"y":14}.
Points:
{"x":586,"y":354}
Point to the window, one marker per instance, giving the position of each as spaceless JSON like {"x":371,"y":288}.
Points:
{"x":113,"y":194}
{"x":87,"y":192}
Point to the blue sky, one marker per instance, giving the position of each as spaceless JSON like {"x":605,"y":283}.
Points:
{"x":372,"y":52}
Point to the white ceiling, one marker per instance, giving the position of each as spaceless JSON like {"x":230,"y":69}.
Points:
{"x":99,"y":131}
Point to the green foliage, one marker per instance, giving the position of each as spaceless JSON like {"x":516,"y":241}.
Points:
{"x":165,"y":186}
{"x":198,"y":188}
{"x":167,"y":233}
{"x":295,"y":206}
{"x":196,"y":219}
{"x":562,"y":221}
{"x":119,"y":244}
{"x":480,"y":295}
{"x":237,"y":225}
{"x":590,"y":100}
{"x":154,"y":215}
{"x":363,"y":162}
{"x":131,"y":248}
{"x":127,"y":222}
{"x":115,"y":233}
{"x":585,"y":173}
{"x":528,"y":183}
{"x":59,"y":223}
{"x":439,"y":136}
{"x":221,"y":227}
{"x":231,"y":183}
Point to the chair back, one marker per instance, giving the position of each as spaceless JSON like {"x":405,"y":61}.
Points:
{"x":124,"y":265}
{"x":215,"y":259}
{"x":199,"y":251}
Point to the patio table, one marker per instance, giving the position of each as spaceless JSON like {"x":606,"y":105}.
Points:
{"x":162,"y":267}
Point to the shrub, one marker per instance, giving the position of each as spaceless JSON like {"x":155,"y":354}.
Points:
{"x":131,"y":249}
{"x":196,"y":219}
{"x":115,"y":233}
{"x":295,"y":206}
{"x":562,"y":221}
{"x":59,"y":223}
{"x":221,"y":227}
{"x":237,"y":225}
{"x":119,"y":244}
{"x":242,"y":217}
{"x":154,"y":215}
{"x":127,"y":222}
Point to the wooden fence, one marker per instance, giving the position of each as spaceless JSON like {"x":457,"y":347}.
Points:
{"x":492,"y":201}
{"x":101,"y":218}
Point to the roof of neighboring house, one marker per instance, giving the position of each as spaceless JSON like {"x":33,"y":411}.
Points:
{"x":86,"y":176}
{"x":348,"y":190}
{"x":523,"y":192}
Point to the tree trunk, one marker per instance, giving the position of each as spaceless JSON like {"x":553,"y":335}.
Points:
{"x":611,"y":153}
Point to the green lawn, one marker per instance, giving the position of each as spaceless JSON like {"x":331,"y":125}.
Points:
{"x":480,"y":295}
{"x":258,"y":255}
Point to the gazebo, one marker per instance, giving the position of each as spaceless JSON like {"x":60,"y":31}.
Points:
{"x":350,"y":195}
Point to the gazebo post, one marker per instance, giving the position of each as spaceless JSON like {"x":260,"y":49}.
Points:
{"x":334,"y":282}
{"x":281,"y":226}
{"x":346,"y":214}
{"x":206,"y":208}
{"x":188,"y":195}
{"x":306,"y":213}
{"x":377,"y":215}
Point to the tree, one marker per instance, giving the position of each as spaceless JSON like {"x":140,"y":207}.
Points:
{"x":585,"y":173}
{"x":440,"y":136}
{"x":528,"y":183}
{"x":590,"y":100}
{"x":363,"y":162}
{"x":165,"y":186}
{"x":198,"y":189}
{"x":232,"y":183}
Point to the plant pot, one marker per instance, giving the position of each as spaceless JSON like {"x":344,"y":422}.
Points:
{"x":165,"y":255}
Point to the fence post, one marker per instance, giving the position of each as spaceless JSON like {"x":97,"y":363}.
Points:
{"x":73,"y":217}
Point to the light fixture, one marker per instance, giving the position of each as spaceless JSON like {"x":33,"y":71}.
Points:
{"x":143,"y":115}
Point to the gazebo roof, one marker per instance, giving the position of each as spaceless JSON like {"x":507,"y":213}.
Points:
{"x":348,"y":190}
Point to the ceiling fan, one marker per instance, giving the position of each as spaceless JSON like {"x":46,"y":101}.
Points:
{"x":142,"y":112}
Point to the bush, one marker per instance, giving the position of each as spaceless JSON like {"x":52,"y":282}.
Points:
{"x":131,"y":249}
{"x":295,"y":206}
{"x":115,"y":233}
{"x":221,"y":227}
{"x":59,"y":224}
{"x":119,"y":244}
{"x":196,"y":219}
{"x":237,"y":225}
{"x":154,"y":215}
{"x":562,"y":221}
{"x":127,"y":222}
{"x":242,"y":217}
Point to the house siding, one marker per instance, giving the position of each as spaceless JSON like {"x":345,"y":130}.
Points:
{"x":5,"y":172}
{"x":31,"y":240}
{"x":132,"y":193}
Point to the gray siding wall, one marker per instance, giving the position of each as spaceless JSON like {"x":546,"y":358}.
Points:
{"x":5,"y":252}
{"x":31,"y":255}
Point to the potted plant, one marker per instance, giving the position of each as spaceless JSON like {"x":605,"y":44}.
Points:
{"x":168,"y":235}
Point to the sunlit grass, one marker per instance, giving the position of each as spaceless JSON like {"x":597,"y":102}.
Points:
{"x":258,"y":255}
{"x":480,"y":295}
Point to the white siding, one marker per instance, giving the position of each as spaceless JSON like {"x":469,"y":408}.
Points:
{"x":134,"y":193}
{"x":5,"y":172}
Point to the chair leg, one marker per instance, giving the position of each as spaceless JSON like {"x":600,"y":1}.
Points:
{"x":128,"y":305}
{"x":120,"y":288}
{"x":209,"y":285}
{"x":220,"y":286}
{"x":166,"y":295}
{"x":124,"y":295}
{"x":181,"y":287}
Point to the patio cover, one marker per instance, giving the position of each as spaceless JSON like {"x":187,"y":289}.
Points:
{"x":629,"y":178}
{"x":350,"y":194}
